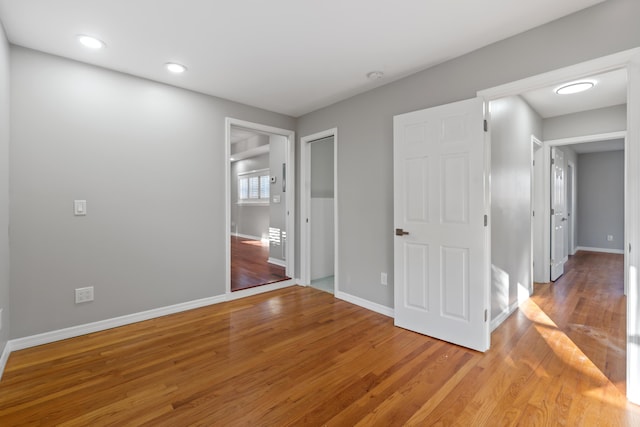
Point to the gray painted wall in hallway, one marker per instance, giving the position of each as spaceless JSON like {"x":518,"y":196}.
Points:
{"x":600,"y":190}
{"x":149,"y":159}
{"x":512,"y":124}
{"x":602,"y":120}
{"x":364,"y":123}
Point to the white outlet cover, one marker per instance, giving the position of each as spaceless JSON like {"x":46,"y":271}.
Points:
{"x":84,"y":294}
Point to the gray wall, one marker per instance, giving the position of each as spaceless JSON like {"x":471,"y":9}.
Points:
{"x":365,"y":125}
{"x":322,"y":168}
{"x":250,"y":220}
{"x":512,"y":124}
{"x":600,"y":191}
{"x":602,"y":120}
{"x":4,"y":188}
{"x":148,"y":158}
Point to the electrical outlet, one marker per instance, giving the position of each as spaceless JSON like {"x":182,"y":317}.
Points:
{"x":84,"y":294}
{"x":609,"y":238}
{"x":383,"y":279}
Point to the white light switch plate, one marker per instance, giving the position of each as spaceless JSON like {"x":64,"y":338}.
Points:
{"x":79,"y":207}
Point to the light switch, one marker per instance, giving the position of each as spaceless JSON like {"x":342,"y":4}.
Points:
{"x":276,"y":199}
{"x":79,"y":207}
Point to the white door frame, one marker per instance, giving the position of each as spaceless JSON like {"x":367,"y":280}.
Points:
{"x":289,"y":198}
{"x":536,"y":211}
{"x":629,"y":60}
{"x":571,"y":208}
{"x":305,"y":206}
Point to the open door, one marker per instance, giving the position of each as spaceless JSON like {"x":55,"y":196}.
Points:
{"x":558,"y":213}
{"x":441,"y":251}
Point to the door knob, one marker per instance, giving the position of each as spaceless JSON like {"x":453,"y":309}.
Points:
{"x":401,"y":232}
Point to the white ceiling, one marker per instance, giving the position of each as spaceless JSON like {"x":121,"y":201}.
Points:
{"x":610,"y":89}
{"x":288,"y":56}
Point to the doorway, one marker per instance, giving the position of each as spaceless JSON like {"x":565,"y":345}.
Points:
{"x":260,"y":207}
{"x":630,"y":122}
{"x":319,"y":254}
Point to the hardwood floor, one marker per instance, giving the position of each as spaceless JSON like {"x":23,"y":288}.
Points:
{"x":299,"y":357}
{"x":249,"y":266}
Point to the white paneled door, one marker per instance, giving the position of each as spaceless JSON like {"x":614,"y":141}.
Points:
{"x":558,"y":213}
{"x":441,"y":238}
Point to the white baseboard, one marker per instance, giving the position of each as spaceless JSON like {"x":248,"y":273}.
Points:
{"x":260,"y":289}
{"x":5,"y":357}
{"x":247,"y":236}
{"x":605,"y":250}
{"x":278,"y":262}
{"x":503,"y":316}
{"x":101,"y":325}
{"x":378,"y":308}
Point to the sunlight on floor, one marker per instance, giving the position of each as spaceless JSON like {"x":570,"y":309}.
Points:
{"x":570,"y":354}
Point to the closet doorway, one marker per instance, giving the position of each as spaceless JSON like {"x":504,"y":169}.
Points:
{"x":319,"y":211}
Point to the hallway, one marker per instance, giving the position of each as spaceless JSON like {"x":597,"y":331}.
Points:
{"x":587,"y":303}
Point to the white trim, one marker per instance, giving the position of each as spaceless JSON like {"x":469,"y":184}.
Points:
{"x":248,"y":236}
{"x":536,"y":145}
{"x":8,"y":348}
{"x":605,"y":250}
{"x":290,"y":199}
{"x":277,"y":262}
{"x":378,"y":308}
{"x":571,"y":249}
{"x":497,"y":321}
{"x":587,"y":138}
{"x":305,"y":206}
{"x":260,"y":289}
{"x":101,"y":325}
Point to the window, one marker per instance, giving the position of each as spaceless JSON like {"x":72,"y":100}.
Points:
{"x":253,"y":187}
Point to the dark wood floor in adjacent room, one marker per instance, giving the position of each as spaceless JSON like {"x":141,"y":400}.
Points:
{"x":300,"y":357}
{"x":250,"y":266}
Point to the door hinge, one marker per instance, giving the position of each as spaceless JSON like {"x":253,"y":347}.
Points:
{"x":553,"y":161}
{"x":486,"y":314}
{"x":533,"y":213}
{"x":629,"y":247}
{"x":486,"y":220}
{"x":553,"y":212}
{"x":486,"y":125}
{"x":534,"y":163}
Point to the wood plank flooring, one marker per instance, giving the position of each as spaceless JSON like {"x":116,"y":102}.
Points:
{"x":299,"y":357}
{"x":250,"y":266}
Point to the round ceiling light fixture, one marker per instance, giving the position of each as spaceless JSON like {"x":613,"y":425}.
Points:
{"x":375,"y":75}
{"x":90,"y":42}
{"x":575,"y":87}
{"x":176,"y":68}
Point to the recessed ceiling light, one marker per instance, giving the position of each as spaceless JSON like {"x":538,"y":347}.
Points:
{"x":375,"y":75}
{"x":175,"y":68}
{"x":575,"y":87}
{"x":90,"y":42}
